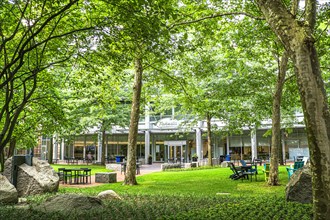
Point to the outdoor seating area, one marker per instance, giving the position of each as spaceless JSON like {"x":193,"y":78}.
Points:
{"x":75,"y":175}
{"x":243,"y":172}
{"x":297,"y":165}
{"x":71,"y":160}
{"x":123,"y":168}
{"x":266,"y":171}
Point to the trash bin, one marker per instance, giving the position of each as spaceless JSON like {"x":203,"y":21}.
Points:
{"x":119,"y":159}
{"x":228,"y":157}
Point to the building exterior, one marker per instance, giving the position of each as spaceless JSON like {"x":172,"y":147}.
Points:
{"x":167,"y":140}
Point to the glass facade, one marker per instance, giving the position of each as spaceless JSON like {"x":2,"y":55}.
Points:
{"x":296,"y":144}
{"x":168,"y":147}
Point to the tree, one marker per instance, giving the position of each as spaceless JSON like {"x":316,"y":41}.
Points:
{"x":221,"y":78}
{"x":33,"y":37}
{"x":135,"y":33}
{"x":276,"y":120}
{"x":94,"y":97}
{"x":298,"y":39}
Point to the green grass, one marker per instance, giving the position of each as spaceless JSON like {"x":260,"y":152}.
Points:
{"x":95,"y":168}
{"x":200,"y":182}
{"x":193,"y":194}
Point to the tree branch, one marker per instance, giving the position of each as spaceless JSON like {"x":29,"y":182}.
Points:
{"x":310,"y":16}
{"x":216,"y":16}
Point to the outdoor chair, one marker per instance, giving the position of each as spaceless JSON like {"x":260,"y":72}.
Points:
{"x":266,"y":170}
{"x":250,"y":167}
{"x":85,"y":176}
{"x":249,"y":170}
{"x":61,"y":174}
{"x":123,"y":168}
{"x":256,"y":161}
{"x":237,"y":174}
{"x":67,"y":176}
{"x":297,"y":165}
{"x":137,"y":168}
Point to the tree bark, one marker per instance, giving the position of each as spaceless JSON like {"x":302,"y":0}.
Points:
{"x":130,"y":178}
{"x":12,"y":146}
{"x":2,"y":160}
{"x":209,"y":140}
{"x":276,"y":121}
{"x":298,"y":40}
{"x":50,"y":151}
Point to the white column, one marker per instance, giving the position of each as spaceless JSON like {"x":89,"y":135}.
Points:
{"x":106,"y":146}
{"x":99,"y":146}
{"x":254,"y":152}
{"x":228,"y":144}
{"x":55,"y":147}
{"x":62,"y":149}
{"x":199,"y":142}
{"x":283,"y":146}
{"x":147,"y":134}
{"x":147,"y":145}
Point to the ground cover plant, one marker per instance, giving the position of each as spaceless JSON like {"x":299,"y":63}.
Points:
{"x":193,"y":194}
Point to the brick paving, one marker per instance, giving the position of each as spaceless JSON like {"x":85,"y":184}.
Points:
{"x":144,"y":169}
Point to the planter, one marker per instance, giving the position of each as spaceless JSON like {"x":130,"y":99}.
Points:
{"x":194,"y":159}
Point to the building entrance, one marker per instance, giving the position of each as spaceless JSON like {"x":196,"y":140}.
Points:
{"x":175,"y":151}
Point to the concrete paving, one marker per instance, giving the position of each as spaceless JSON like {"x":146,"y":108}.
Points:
{"x":144,"y":169}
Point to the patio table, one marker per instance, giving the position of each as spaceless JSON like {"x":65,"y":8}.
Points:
{"x":85,"y":175}
{"x":71,"y":175}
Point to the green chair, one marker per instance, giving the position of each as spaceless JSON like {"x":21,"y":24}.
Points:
{"x":67,"y":176}
{"x":85,"y":175}
{"x":297,"y":165}
{"x":237,"y":174}
{"x":266,"y":170}
{"x":61,"y":174}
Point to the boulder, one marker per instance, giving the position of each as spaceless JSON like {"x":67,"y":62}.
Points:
{"x":36,"y":179}
{"x":106,"y":177}
{"x":108,"y":195}
{"x":299,"y":188}
{"x":8,"y":192}
{"x":69,"y":203}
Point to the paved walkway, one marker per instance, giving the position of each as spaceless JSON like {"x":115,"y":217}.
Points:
{"x":144,"y":169}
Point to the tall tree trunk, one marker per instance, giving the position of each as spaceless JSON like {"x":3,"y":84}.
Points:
{"x":297,"y":38}
{"x":12,"y":146}
{"x":2,"y":160}
{"x":103,"y":147}
{"x":130,"y":178}
{"x":276,"y":121}
{"x":50,"y":151}
{"x":209,"y":139}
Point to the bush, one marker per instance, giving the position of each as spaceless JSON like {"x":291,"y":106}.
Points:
{"x":167,"y":166}
{"x":179,"y":207}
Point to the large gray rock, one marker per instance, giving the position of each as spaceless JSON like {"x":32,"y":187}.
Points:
{"x":299,"y":188}
{"x":69,"y":203}
{"x":8,"y":192}
{"x":106,"y":177}
{"x":36,"y":179}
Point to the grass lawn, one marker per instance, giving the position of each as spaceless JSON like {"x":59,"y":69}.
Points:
{"x":200,"y":182}
{"x":193,"y":194}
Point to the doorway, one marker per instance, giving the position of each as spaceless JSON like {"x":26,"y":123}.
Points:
{"x":176,"y":151}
